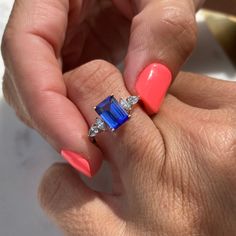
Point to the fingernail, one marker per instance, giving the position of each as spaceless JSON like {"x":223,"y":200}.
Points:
{"x":77,"y":161}
{"x":152,"y":85}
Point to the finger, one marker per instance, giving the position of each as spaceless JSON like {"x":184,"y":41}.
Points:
{"x":103,"y":79}
{"x":77,"y":209}
{"x":31,"y":49}
{"x":163,"y":32}
{"x":103,"y":34}
{"x":204,"y":92}
{"x":189,"y":92}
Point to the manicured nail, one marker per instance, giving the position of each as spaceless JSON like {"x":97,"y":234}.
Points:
{"x":77,"y":161}
{"x":152,"y":85}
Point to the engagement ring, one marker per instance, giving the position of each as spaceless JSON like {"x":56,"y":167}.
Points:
{"x":112,"y":114}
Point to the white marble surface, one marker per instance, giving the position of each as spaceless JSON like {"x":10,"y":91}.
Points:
{"x":25,"y":155}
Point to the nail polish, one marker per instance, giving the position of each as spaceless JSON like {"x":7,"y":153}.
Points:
{"x":77,"y":161}
{"x":152,"y":85}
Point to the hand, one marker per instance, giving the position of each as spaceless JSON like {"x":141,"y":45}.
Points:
{"x":173,"y":174}
{"x":46,"y":38}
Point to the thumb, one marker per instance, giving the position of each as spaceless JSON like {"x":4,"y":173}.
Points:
{"x":163,"y":33}
{"x":77,"y":209}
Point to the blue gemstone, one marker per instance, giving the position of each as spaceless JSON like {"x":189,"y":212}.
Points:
{"x":112,"y":112}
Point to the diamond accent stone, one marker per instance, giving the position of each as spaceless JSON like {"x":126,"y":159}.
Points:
{"x":100,"y":124}
{"x":129,"y":102}
{"x":126,"y":105}
{"x":132,"y":100}
{"x":93,"y":131}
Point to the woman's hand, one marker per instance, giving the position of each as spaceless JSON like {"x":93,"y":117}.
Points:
{"x":173,"y":173}
{"x":46,"y":38}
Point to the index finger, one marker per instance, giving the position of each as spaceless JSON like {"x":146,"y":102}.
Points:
{"x":31,"y":50}
{"x":163,"y":34}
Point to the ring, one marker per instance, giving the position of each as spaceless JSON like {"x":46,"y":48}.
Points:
{"x":112,"y":114}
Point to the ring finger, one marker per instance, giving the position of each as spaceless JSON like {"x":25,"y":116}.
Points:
{"x":92,"y":83}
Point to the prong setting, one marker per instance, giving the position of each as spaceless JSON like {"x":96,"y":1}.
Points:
{"x":112,"y":114}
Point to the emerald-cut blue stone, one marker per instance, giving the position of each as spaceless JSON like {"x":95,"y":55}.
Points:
{"x":112,"y":112}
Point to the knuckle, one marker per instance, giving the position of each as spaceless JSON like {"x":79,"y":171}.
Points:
{"x":96,"y":71}
{"x":96,"y":76}
{"x":181,"y":26}
{"x":174,"y":24}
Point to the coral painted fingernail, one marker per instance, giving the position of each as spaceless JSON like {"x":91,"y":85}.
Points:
{"x":77,"y":161}
{"x":152,"y":85}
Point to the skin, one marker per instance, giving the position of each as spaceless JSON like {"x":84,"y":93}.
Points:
{"x":173,"y":173}
{"x":181,"y":180}
{"x":44,"y":39}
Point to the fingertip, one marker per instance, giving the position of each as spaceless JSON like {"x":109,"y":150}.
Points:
{"x":78,"y":161}
{"x":160,"y":33}
{"x":152,"y":85}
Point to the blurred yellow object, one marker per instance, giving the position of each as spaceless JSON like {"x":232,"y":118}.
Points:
{"x":223,"y":27}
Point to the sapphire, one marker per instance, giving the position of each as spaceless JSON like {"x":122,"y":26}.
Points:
{"x":112,"y":112}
